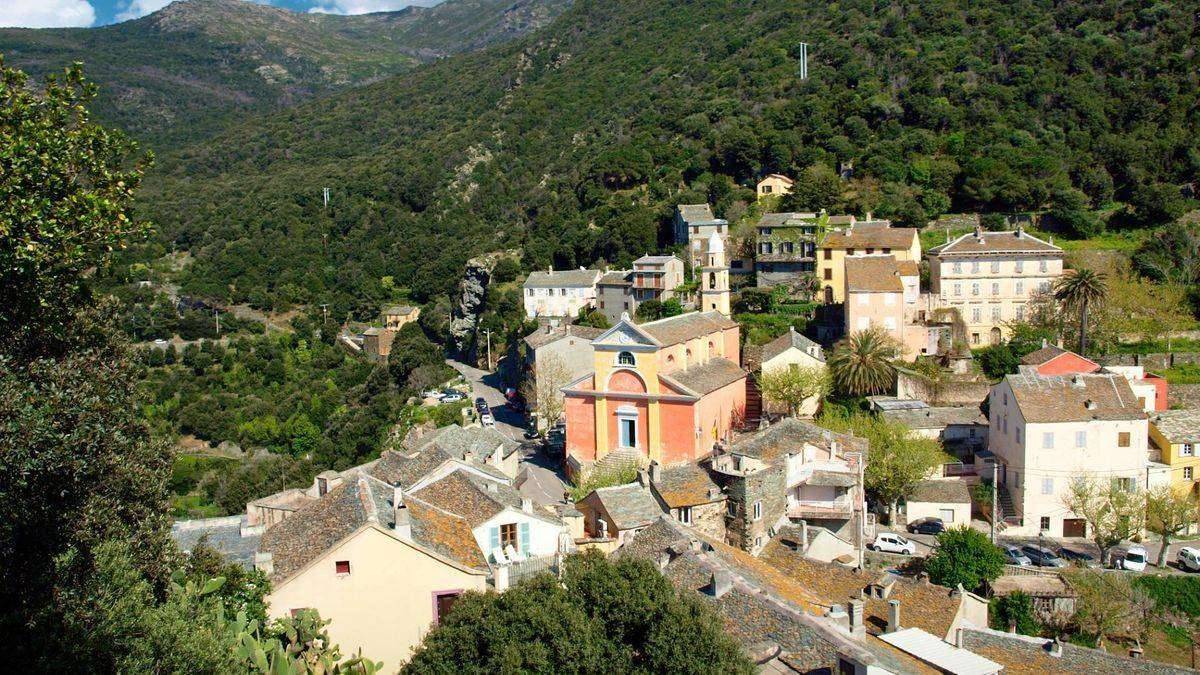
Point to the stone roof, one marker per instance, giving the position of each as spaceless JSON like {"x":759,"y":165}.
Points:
{"x":616,"y":278}
{"x":629,"y":506}
{"x":475,"y":500}
{"x":655,"y":259}
{"x":787,"y":219}
{"x":941,"y":492}
{"x":789,"y":435}
{"x":307,"y":534}
{"x":708,"y":376}
{"x":224,"y":535}
{"x":687,"y":485}
{"x":831,"y":479}
{"x":697,"y":214}
{"x":873,"y":274}
{"x":406,"y":468}
{"x":1066,"y":398}
{"x":1178,"y":426}
{"x":397,"y":309}
{"x":909,"y":268}
{"x":870,"y":237}
{"x":562,"y":279}
{"x":983,"y":242}
{"x":675,"y":329}
{"x":543,"y":336}
{"x":789,"y":340}
{"x":1024,"y":655}
{"x":468,"y":443}
{"x":935,"y":417}
{"x":1034,"y":585}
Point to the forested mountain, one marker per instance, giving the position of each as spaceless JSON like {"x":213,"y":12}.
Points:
{"x":574,"y":142}
{"x":185,"y":70}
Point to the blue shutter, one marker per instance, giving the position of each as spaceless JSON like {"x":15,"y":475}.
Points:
{"x":524,"y":532}
{"x":494,"y":536}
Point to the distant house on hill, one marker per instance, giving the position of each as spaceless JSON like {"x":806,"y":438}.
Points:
{"x":774,"y":184}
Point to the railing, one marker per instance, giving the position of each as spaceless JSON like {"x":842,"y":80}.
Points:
{"x":639,"y":282}
{"x":958,"y":469}
{"x":519,"y":571}
{"x":820,"y":509}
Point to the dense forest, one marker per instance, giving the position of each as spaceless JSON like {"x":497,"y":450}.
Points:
{"x":574,"y":143}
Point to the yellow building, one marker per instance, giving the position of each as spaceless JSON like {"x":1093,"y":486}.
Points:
{"x":856,"y":239}
{"x":774,"y":184}
{"x":1176,"y":435}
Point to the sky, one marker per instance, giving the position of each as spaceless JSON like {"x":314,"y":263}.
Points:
{"x":75,"y":13}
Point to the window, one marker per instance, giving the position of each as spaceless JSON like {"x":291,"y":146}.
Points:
{"x":562,"y":292}
{"x":1187,"y":473}
{"x":601,"y":304}
{"x":957,"y":268}
{"x":974,"y":267}
{"x":1081,"y":439}
{"x":975,"y":337}
{"x":766,"y":189}
{"x":1045,"y":524}
{"x":695,"y":229}
{"x":1047,"y":486}
{"x":995,"y":267}
{"x":1123,"y":484}
{"x":509,"y":536}
{"x":829,"y":254}
{"x":731,"y":509}
{"x":958,"y":289}
{"x":1186,"y":450}
{"x":712,"y":279}
{"x":976,"y":315}
{"x":757,"y":511}
{"x":1044,"y":287}
{"x":995,"y":288}
{"x":996,"y":313}
{"x":1048,"y":440}
{"x":786,"y":247}
{"x":1123,"y":439}
{"x":1020,"y":266}
{"x":1042,"y":266}
{"x":975,"y":289}
{"x":1020,"y":312}
{"x":443,"y":602}
{"x":870,"y":251}
{"x":628,"y":432}
{"x":947,"y":515}
{"x":685,"y":515}
{"x":828,"y":274}
{"x":1020,"y":287}
{"x":625,"y":359}
{"x":1018,"y":430}
{"x":886,"y":251}
{"x":849,"y":251}
{"x":342,"y":567}
{"x":322,"y":487}
{"x":765,"y":247}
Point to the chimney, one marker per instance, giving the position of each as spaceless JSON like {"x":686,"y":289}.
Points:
{"x":958,"y":638}
{"x":264,"y":562}
{"x":643,"y":478}
{"x":1089,"y":404}
{"x":838,"y":615}
{"x":869,"y":218}
{"x":1135,"y":652}
{"x":803,"y":535}
{"x":979,"y":233}
{"x":1077,"y":381}
{"x":1020,"y":232}
{"x":655,"y":472}
{"x":720,"y":584}
{"x":492,"y":487}
{"x":1054,"y":648}
{"x":550,"y":270}
{"x":893,"y":616}
{"x":403,"y":525}
{"x":664,"y":559}
{"x":857,"y":627}
{"x":526,"y":504}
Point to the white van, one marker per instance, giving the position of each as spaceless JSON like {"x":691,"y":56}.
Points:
{"x":1134,"y":559}
{"x":1189,"y":559}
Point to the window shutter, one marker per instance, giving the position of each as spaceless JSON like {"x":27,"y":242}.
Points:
{"x":524,"y":530}
{"x":494,"y":537}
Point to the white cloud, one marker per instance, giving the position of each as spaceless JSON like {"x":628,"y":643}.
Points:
{"x":138,"y":8}
{"x":46,"y":13}
{"x":366,"y":6}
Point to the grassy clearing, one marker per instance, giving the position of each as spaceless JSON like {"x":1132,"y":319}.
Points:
{"x":601,"y":478}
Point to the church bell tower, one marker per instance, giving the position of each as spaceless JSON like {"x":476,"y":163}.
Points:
{"x":714,"y":278}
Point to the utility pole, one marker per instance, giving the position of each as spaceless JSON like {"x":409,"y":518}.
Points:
{"x":217,"y":316}
{"x":804,"y":60}
{"x":995,"y":496}
{"x":861,"y":506}
{"x":489,"y":347}
{"x":325,"y":313}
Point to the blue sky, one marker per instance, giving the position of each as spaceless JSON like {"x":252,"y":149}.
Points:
{"x":61,"y":13}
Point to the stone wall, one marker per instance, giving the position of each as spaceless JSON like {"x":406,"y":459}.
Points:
{"x":1184,"y":395}
{"x":1153,"y":362}
{"x":955,"y":390}
{"x":709,"y":519}
{"x":769,"y":487}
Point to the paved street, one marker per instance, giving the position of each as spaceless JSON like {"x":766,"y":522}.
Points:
{"x":545,"y":482}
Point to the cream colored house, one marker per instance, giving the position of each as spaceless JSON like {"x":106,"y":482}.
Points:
{"x":774,"y":184}
{"x":560,"y":293}
{"x":382,"y":568}
{"x":694,"y":225}
{"x":989,"y":277}
{"x":882,"y":292}
{"x":1045,"y":431}
{"x":870,"y":237}
{"x":792,"y":351}
{"x":948,"y":499}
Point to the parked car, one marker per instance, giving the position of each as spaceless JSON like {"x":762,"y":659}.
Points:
{"x":487,"y":420}
{"x":1134,"y":559}
{"x":480,"y":403}
{"x":1042,"y":557}
{"x":1188,"y":559}
{"x":1078,"y":557}
{"x":927,"y":526}
{"x":1014,"y":556}
{"x":452,"y":397}
{"x":432,"y":393}
{"x":889,"y":542}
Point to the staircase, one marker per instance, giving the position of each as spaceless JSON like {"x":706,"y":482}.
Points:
{"x":618,"y":459}
{"x":754,"y":406}
{"x":1007,"y":512}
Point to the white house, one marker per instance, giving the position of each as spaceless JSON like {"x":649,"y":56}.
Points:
{"x":560,"y":293}
{"x":1046,"y":431}
{"x":791,"y":351}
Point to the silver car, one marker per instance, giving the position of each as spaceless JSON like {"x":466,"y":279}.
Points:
{"x":1014,"y":556}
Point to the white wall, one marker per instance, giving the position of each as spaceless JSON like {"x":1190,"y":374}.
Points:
{"x":961,"y":512}
{"x":786,"y":359}
{"x":553,"y":301}
{"x":543,"y":536}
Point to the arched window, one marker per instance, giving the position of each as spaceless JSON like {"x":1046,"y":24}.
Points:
{"x":712,"y":349}
{"x":687,"y":358}
{"x":670,"y":359}
{"x":712,"y":279}
{"x":625,"y":359}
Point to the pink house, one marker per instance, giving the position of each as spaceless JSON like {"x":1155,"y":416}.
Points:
{"x":662,"y":391}
{"x":883,"y":292}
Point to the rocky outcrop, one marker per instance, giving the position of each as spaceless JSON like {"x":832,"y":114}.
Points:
{"x":469,"y":304}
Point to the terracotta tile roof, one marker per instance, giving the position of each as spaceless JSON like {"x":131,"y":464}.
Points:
{"x":870,"y":237}
{"x":978,"y":242}
{"x":1021,"y":655}
{"x":629,"y":506}
{"x":1048,"y":399}
{"x":709,"y":376}
{"x":941,"y":492}
{"x":562,"y":279}
{"x":789,"y":435}
{"x":1178,"y":426}
{"x":676,"y":329}
{"x":926,"y":606}
{"x":445,"y":533}
{"x":543,"y":337}
{"x":789,"y":340}
{"x":687,"y":485}
{"x":873,"y":274}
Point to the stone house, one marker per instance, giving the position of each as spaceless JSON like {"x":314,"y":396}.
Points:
{"x":785,"y":246}
{"x":620,"y":511}
{"x":688,"y":494}
{"x":949,"y":500}
{"x":1175,"y":435}
{"x":396,"y":316}
{"x":694,"y":225}
{"x":789,"y":351}
{"x":614,"y":295}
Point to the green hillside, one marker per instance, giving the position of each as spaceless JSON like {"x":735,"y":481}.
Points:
{"x":186,"y":70}
{"x":574,"y":142}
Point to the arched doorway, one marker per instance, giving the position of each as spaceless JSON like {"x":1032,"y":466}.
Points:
{"x":996,"y":336}
{"x":829,"y":295}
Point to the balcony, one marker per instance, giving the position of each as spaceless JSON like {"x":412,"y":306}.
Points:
{"x":836,"y":509}
{"x":652,"y":283}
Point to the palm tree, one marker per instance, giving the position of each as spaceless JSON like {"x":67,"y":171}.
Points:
{"x":1080,"y":288}
{"x":861,"y":363}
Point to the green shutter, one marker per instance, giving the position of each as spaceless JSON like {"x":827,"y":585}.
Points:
{"x":524,"y":533}
{"x":494,"y":536}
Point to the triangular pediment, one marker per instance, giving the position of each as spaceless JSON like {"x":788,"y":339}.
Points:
{"x":625,"y":334}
